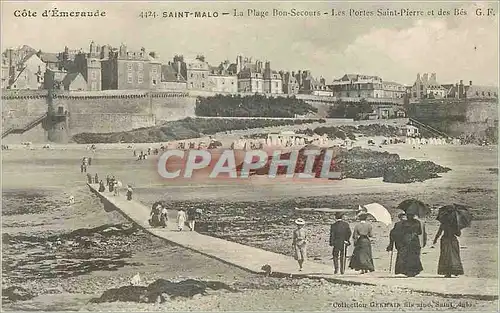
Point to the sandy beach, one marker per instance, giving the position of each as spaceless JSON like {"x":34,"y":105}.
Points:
{"x":51,"y":176}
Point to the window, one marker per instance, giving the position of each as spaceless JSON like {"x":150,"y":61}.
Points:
{"x":154,"y":81}
{"x":129,"y":78}
{"x":94,"y":75}
{"x":155,"y":70}
{"x":202,"y":75}
{"x":276,"y":85}
{"x":139,"y":78}
{"x":489,"y":94}
{"x":129,"y":67}
{"x":202,"y":85}
{"x":477,"y":93}
{"x":191,"y":75}
{"x":94,"y":86}
{"x":140,"y":66}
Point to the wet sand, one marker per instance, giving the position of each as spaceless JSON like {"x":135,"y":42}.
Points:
{"x":56,"y":174}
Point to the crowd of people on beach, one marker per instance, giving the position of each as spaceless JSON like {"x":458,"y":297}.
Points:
{"x":408,"y":236}
{"x":159,"y":217}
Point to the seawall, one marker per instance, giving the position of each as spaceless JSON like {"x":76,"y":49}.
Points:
{"x":100,"y":111}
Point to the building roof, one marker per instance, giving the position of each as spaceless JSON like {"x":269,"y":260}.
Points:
{"x":169,"y":74}
{"x":48,"y":57}
{"x":392,"y":83}
{"x":69,"y":78}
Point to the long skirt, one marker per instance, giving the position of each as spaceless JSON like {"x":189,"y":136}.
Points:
{"x":300,"y":252}
{"x":361,"y":258}
{"x":449,"y":259}
{"x":408,"y":258}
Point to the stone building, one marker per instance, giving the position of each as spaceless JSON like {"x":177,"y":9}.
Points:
{"x":124,"y":69}
{"x":5,"y":73}
{"x":470,"y":91}
{"x":223,"y":78}
{"x":393,"y":90}
{"x":425,"y":87}
{"x":22,"y":68}
{"x":171,"y":79}
{"x":290,"y":83}
{"x":358,"y":86}
{"x":89,"y":65}
{"x":196,"y":72}
{"x":256,"y":77}
{"x":29,"y":74}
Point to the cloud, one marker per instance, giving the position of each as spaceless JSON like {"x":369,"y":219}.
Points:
{"x":467,"y":50}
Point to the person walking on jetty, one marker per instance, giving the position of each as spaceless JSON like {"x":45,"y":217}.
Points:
{"x":191,"y":218}
{"x":361,"y":259}
{"x":84,"y":165}
{"x":111,"y":184}
{"x":116,"y":187}
{"x":299,"y":242}
{"x":101,"y":186}
{"x":409,"y":252}
{"x":395,"y":237}
{"x":181,"y":219}
{"x":96,"y":179}
{"x":89,"y":178}
{"x":449,"y":257}
{"x":340,"y":233}
{"x":129,"y":192}
{"x":164,"y":217}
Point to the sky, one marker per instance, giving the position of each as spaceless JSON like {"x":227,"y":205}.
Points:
{"x":394,"y":48}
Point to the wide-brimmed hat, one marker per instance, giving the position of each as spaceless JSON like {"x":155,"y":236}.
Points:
{"x":300,"y":221}
{"x":339,"y":215}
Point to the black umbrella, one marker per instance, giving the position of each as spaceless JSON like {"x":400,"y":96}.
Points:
{"x":456,"y":215}
{"x":415,"y":207}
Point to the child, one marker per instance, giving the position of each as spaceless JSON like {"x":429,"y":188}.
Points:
{"x":129,"y":192}
{"x":299,"y":243}
{"x":181,"y":219}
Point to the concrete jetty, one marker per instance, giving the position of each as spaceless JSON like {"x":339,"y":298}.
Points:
{"x":252,"y":259}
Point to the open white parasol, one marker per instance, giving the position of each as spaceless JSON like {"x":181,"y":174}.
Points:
{"x":378,"y":211}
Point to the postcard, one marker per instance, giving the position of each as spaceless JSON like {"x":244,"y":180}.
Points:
{"x":249,"y":156}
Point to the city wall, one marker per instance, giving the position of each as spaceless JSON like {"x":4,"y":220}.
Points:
{"x":97,"y":111}
{"x":458,"y":117}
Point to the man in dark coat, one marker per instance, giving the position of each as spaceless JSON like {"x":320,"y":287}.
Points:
{"x":395,"y":235}
{"x":340,"y":232}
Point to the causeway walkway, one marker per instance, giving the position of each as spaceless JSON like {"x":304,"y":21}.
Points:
{"x":252,"y":259}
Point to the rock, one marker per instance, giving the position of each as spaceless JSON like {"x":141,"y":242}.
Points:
{"x":16,"y":293}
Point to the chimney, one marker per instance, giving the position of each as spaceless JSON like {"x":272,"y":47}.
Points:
{"x":425,"y":78}
{"x":418,"y":77}
{"x":457,"y":93}
{"x":433,"y":78}
{"x":470,"y":82}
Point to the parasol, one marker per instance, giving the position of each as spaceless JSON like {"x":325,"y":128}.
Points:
{"x":415,"y":207}
{"x":457,"y":215}
{"x":378,"y":211}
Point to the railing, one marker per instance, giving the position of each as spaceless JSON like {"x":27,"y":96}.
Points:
{"x":429,"y":128}
{"x":25,"y":128}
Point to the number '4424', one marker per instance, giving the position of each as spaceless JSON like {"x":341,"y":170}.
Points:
{"x":147,"y":14}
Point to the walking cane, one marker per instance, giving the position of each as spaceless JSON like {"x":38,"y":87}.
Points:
{"x":345,"y":258}
{"x":390,"y":263}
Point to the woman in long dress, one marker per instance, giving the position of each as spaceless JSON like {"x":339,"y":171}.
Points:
{"x":181,"y":219}
{"x":409,"y":253}
{"x":361,"y":259}
{"x":449,"y":258}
